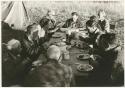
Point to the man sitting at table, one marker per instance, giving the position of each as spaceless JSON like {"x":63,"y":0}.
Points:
{"x":92,"y":29}
{"x":32,"y":42}
{"x":49,"y":24}
{"x":51,"y":74}
{"x":73,"y":23}
{"x":14,"y":67}
{"x":10,"y":59}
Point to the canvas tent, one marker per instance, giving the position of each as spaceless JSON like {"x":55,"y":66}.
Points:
{"x":15,"y":14}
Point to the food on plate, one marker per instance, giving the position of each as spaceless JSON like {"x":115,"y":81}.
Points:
{"x":84,"y":67}
{"x":83,"y":56}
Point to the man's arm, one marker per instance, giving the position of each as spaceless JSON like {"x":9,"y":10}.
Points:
{"x":67,"y":24}
{"x":30,"y":50}
{"x":107,"y":26}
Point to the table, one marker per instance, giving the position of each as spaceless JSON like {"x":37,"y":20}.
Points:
{"x":74,"y":52}
{"x":80,"y":78}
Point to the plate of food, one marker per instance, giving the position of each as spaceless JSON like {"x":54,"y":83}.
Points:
{"x":56,"y":35}
{"x":84,"y":68}
{"x":83,"y":56}
{"x":64,"y":29}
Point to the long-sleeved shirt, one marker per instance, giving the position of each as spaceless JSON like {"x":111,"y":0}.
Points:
{"x":31,"y":49}
{"x":70,"y":23}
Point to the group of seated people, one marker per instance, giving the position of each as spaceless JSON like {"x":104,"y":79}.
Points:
{"x":52,"y":73}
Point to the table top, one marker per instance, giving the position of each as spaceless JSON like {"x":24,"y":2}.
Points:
{"x":56,"y":39}
{"x":73,"y":61}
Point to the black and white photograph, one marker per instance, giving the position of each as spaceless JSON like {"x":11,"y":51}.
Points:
{"x":62,"y":43}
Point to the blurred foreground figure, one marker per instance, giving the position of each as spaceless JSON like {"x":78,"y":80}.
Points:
{"x":14,"y":46}
{"x":54,"y":52}
{"x":110,"y":66}
{"x":14,"y":67}
{"x":118,"y":69}
{"x":10,"y":59}
{"x":50,"y":74}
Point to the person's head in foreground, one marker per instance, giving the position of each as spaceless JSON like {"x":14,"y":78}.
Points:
{"x":14,"y":46}
{"x":54,"y":53}
{"x":50,"y":74}
{"x":34,"y":31}
{"x":101,"y":15}
{"x":74,"y":16}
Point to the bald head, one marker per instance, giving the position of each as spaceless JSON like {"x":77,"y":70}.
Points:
{"x":14,"y":46}
{"x":53,"y":52}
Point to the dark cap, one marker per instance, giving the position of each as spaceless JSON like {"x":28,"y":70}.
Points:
{"x":74,"y":13}
{"x":92,"y":17}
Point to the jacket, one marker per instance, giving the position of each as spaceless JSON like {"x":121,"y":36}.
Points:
{"x":70,"y":23}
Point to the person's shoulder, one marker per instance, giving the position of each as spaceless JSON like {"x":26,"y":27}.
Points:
{"x":65,"y":67}
{"x":67,"y":71}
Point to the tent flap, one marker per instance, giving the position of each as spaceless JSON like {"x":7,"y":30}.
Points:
{"x":15,"y":15}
